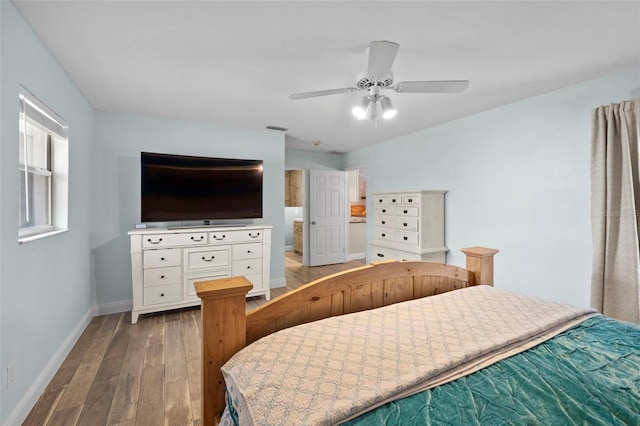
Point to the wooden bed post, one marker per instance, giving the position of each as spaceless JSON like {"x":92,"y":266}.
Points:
{"x":480,"y":263}
{"x":224,"y":329}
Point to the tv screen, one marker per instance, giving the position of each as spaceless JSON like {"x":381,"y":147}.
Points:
{"x":184,"y":188}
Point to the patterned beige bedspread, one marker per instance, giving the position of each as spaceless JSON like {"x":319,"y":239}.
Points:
{"x":330,"y":371}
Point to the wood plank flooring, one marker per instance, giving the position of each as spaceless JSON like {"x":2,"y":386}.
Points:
{"x":143,"y":374}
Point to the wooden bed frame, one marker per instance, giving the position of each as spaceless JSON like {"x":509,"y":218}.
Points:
{"x":227,"y":327}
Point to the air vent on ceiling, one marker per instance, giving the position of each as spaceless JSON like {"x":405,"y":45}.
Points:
{"x":280,"y":129}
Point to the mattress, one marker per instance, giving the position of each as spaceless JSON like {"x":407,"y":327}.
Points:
{"x":334,"y":370}
{"x":588,"y":375}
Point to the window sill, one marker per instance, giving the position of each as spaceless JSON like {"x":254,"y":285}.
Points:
{"x":28,"y":239}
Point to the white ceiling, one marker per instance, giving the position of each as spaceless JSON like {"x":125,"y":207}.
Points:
{"x":235,"y":63}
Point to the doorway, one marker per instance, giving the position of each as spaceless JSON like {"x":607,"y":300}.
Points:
{"x":296,"y":206}
{"x":294,"y":195}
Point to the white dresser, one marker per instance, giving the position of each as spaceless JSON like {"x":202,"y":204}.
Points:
{"x":409,"y":226}
{"x":165,"y":263}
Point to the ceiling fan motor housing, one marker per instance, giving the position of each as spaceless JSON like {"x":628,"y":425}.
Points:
{"x":365,"y":81}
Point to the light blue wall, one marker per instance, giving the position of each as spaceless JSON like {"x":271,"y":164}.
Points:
{"x":45,"y":284}
{"x":300,"y":159}
{"x":518,"y":180}
{"x":115,"y":202}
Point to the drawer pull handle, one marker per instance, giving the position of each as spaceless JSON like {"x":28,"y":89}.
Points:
{"x":404,"y":224}
{"x":208,"y":260}
{"x":248,"y":267}
{"x":219,"y":238}
{"x":384,"y":235}
{"x":393,"y":200}
{"x":161,"y":294}
{"x":406,"y":211}
{"x":384,"y":221}
{"x":411,"y":200}
{"x":380,"y":255}
{"x":405,"y":238}
{"x":248,"y":251}
{"x":162,"y":258}
{"x":201,"y":238}
{"x":155,"y":242}
{"x":162,"y":277}
{"x":384,"y":210}
{"x":254,"y":236}
{"x":380,"y":200}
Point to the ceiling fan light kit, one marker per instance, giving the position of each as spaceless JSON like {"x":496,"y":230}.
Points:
{"x":388,"y":110}
{"x":378,"y":77}
{"x":360,"y":110}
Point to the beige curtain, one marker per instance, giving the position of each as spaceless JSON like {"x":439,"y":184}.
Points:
{"x":615,"y":204}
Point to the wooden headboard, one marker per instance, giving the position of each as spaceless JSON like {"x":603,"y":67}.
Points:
{"x":227,"y":327}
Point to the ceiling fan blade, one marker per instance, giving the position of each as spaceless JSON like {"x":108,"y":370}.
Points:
{"x":323,"y":93}
{"x":447,"y":86}
{"x":381,"y":57}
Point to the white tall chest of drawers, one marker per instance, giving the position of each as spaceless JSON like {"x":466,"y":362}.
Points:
{"x":409,"y":226}
{"x":165,"y":263}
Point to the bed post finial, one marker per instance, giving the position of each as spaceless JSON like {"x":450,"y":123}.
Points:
{"x":224,"y":332}
{"x":480,"y":263}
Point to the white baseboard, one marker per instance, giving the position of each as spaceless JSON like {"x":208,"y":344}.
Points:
{"x":356,"y":256}
{"x":29,"y":400}
{"x":112,"y":308}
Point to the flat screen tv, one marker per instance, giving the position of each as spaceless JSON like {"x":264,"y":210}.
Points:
{"x":187,"y":188}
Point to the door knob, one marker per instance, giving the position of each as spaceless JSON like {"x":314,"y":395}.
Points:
{"x":313,"y":223}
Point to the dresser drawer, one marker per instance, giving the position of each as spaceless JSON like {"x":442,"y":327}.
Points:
{"x":162,"y":276}
{"x":411,"y":238}
{"x":161,"y":258}
{"x":384,"y":234}
{"x":191,"y":279}
{"x":410,"y":200}
{"x":236,"y":236}
{"x":384,"y":221}
{"x":384,"y":210}
{"x":407,"y":211}
{"x":172,"y":240}
{"x":247,"y":251}
{"x":406,"y":224}
{"x":383,"y":253}
{"x":382,"y":200}
{"x":246,"y":267}
{"x":206,"y":257}
{"x":388,"y":200}
{"x":256,"y":280}
{"x":161,"y":294}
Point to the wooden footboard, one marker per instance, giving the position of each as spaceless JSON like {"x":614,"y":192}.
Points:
{"x":227,"y":328}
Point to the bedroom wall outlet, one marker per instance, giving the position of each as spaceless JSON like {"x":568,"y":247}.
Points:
{"x":11,"y":372}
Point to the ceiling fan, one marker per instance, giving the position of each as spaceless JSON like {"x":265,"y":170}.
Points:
{"x":378,"y":77}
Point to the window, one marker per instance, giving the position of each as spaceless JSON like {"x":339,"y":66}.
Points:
{"x":43,"y":166}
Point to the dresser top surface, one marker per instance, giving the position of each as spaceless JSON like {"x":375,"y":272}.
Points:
{"x":191,"y":229}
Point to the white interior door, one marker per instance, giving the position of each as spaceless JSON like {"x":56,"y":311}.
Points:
{"x":327,"y":217}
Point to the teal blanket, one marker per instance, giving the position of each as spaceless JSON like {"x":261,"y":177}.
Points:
{"x":588,"y":375}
